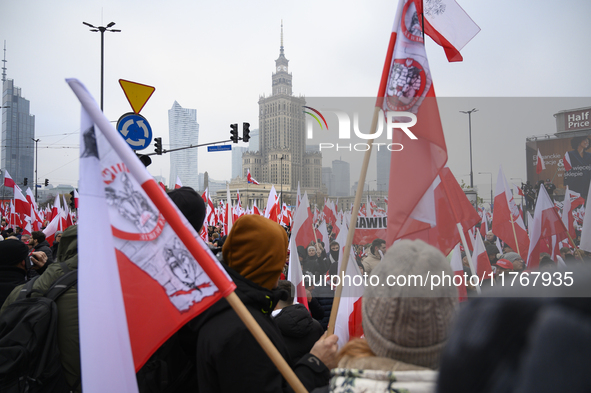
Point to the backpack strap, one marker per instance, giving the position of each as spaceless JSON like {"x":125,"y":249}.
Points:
{"x":27,"y":289}
{"x":62,"y":284}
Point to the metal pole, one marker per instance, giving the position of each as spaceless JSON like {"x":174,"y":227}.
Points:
{"x":102,"y":64}
{"x":470,"y":137}
{"x":36,"y":164}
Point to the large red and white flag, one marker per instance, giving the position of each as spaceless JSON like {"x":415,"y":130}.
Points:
{"x":540,"y":165}
{"x":566,"y":162}
{"x":407,"y":86}
{"x":8,"y":182}
{"x":449,"y":26}
{"x":567,"y":213}
{"x":481,"y":261}
{"x":133,"y":240}
{"x":546,"y":223}
{"x":507,"y":222}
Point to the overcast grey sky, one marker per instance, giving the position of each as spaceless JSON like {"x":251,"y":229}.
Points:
{"x":218,"y":57}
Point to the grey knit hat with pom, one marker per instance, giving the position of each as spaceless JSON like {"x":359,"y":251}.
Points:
{"x":409,"y":322}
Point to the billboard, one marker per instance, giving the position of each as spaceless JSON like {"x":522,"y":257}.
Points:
{"x":553,"y":152}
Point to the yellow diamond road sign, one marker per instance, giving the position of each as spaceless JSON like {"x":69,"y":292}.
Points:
{"x":137,"y":94}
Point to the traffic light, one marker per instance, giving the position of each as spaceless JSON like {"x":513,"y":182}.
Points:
{"x":25,"y":181}
{"x":158,"y":146}
{"x":46,"y":182}
{"x":72,"y":201}
{"x":245,"y":132}
{"x":234,"y":133}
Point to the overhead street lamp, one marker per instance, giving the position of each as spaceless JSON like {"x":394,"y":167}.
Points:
{"x":491,"y":188}
{"x":470,"y":134}
{"x":102,"y":30}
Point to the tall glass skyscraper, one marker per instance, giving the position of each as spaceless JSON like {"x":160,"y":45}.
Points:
{"x":183,"y":130}
{"x":18,"y":131}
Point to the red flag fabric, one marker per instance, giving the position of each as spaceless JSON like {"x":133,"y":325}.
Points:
{"x":8,"y":182}
{"x":251,"y":179}
{"x":305,"y":235}
{"x":407,"y":86}
{"x":294,"y":273}
{"x":540,"y":165}
{"x":507,"y":223}
{"x":21,"y":205}
{"x":481,"y":260}
{"x":440,"y":208}
{"x":178,"y":183}
{"x":546,"y":223}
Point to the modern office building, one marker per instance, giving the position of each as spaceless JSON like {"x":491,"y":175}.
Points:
{"x":253,"y":143}
{"x":18,"y":132}
{"x":183,"y":130}
{"x":328,"y":180}
{"x":342,"y":178}
{"x":383,"y":169}
{"x":237,"y":160}
{"x":282,"y":157}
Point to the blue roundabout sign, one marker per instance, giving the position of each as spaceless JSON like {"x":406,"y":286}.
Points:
{"x":136,"y":130}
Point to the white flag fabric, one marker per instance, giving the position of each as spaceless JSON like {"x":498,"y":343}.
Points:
{"x":105,"y":350}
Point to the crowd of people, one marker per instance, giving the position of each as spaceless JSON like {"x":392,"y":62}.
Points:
{"x":416,"y":339}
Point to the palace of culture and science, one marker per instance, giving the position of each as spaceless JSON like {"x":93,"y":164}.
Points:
{"x":282,"y":157}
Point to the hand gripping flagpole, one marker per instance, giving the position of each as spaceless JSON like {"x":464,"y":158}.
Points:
{"x":170,"y":213}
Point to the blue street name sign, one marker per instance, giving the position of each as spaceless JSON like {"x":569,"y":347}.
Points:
{"x":219,"y":148}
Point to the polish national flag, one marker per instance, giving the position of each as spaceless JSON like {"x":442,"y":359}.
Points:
{"x":540,"y":166}
{"x":545,"y":224}
{"x":567,"y":213}
{"x":178,"y":183}
{"x":21,"y":205}
{"x":271,"y":212}
{"x":294,"y":272}
{"x":449,"y":26}
{"x":51,"y":229}
{"x":458,"y":268}
{"x":76,"y":198}
{"x":250,"y":179}
{"x":481,"y":260}
{"x":506,"y":212}
{"x":434,"y":219}
{"x":566,"y":162}
{"x":8,"y":182}
{"x":56,"y":206}
{"x":150,"y":249}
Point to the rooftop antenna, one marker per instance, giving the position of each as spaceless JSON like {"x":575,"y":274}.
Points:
{"x":4,"y":64}
{"x":281,"y":36}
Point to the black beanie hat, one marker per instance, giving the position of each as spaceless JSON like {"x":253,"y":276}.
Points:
{"x":190,"y":204}
{"x":12,"y":251}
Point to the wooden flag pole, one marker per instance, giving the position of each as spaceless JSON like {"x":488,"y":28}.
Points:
{"x":353,"y":222}
{"x":514,"y":234}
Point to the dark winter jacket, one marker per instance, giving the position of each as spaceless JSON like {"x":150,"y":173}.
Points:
{"x":229,"y":359}
{"x":67,"y":305}
{"x":10,"y":277}
{"x":44,"y":246}
{"x":300,"y":331}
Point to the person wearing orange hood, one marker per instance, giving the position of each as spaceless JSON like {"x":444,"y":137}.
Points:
{"x":228,"y":357}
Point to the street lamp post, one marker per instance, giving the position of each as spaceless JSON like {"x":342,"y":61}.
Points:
{"x":470,"y":135}
{"x":36,"y":163}
{"x":491,"y":188}
{"x":102,"y":30}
